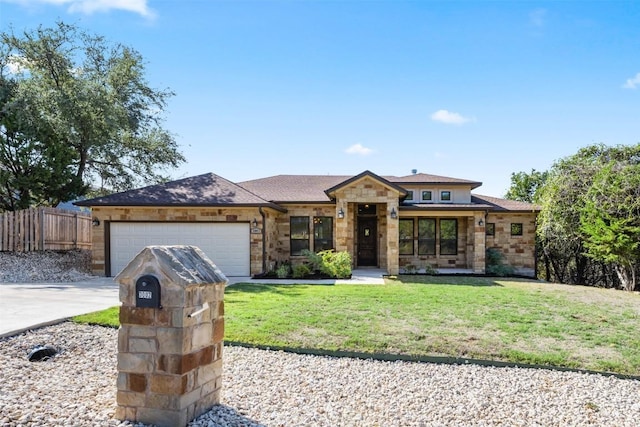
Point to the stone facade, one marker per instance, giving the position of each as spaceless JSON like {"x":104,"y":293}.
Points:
{"x":518,"y":250}
{"x":279,"y":241}
{"x":170,"y":358}
{"x":369,"y":191}
{"x":271,"y":244}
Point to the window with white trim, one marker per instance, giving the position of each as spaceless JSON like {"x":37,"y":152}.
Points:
{"x":426,"y":196}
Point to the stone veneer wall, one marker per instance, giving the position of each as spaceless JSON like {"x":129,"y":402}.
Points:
{"x":272,"y":240}
{"x":169,"y":214}
{"x":519,"y":251}
{"x":279,"y":247}
{"x":370,"y":191}
{"x":170,"y":362}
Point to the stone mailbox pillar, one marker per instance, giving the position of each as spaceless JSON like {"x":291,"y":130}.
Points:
{"x":171,"y":334}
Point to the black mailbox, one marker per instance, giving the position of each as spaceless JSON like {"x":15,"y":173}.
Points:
{"x":148,"y":292}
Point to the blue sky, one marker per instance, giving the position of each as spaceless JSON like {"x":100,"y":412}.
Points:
{"x":473,"y":90}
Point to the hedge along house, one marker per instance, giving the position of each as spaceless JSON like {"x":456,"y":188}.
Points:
{"x":247,"y":228}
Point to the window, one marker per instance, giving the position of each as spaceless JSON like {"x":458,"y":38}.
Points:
{"x":322,"y":233}
{"x":445,"y":196}
{"x":490,"y":229}
{"x":299,"y":234}
{"x":426,"y":196}
{"x":409,"y":195}
{"x":426,"y":236}
{"x":406,"y":236}
{"x":448,"y":237}
{"x":516,"y":229}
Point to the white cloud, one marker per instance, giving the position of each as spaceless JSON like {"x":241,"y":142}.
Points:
{"x":358,"y":149}
{"x":89,"y":7}
{"x":450,"y":118}
{"x":633,"y":82}
{"x":538,"y":17}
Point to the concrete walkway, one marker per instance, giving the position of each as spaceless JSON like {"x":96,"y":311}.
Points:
{"x":25,"y":306}
{"x":369,"y":276}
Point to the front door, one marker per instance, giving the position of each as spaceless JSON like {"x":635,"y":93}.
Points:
{"x":367,"y":242}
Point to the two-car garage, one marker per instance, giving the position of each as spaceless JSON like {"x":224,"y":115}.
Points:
{"x":226,"y":244}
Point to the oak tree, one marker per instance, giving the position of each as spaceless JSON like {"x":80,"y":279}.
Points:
{"x":77,"y":115}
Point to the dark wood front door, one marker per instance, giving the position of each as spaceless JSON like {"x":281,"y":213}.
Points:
{"x":367,"y":242}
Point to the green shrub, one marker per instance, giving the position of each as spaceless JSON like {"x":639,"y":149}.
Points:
{"x":430,"y":270}
{"x":496,"y":265}
{"x":300,"y":270}
{"x":341,"y":264}
{"x":333,"y":264}
{"x":283,"y":270}
{"x":410,"y":269}
{"x":313,"y":259}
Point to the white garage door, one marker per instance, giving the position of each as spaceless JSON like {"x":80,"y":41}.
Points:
{"x":227,"y":245}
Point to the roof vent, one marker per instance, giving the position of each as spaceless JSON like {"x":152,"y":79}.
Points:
{"x":414,"y":171}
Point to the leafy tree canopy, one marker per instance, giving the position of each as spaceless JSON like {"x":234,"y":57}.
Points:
{"x":610,"y":219}
{"x":77,"y":115}
{"x":525,"y":187}
{"x":590,"y":207}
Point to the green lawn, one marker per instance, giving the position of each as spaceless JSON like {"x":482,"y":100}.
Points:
{"x":493,"y":319}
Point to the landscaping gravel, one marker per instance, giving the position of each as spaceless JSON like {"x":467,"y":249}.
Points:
{"x":269,"y":388}
{"x":45,"y":266}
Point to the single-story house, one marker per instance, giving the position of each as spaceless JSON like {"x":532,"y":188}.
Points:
{"x":248,"y":227}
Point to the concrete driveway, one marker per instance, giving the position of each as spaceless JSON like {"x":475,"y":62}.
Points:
{"x":25,"y":306}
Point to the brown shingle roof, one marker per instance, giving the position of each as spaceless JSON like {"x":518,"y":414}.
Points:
{"x":201,"y":190}
{"x":311,"y":188}
{"x":498,"y":204}
{"x":424,"y":178}
{"x":212,"y":190}
{"x":294,"y":188}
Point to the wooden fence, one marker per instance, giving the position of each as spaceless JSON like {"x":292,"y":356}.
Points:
{"x":40,"y":229}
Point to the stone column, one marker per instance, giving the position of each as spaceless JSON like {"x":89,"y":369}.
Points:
{"x":393,"y":238}
{"x":170,"y":353}
{"x":479,"y":245}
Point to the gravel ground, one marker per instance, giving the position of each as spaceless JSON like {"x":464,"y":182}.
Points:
{"x":46,"y":266}
{"x":268,"y":388}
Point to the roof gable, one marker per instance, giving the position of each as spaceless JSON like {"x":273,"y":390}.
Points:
{"x":201,"y":190}
{"x":366,"y":174}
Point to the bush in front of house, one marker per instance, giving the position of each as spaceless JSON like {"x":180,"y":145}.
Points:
{"x":331,"y":263}
{"x":410,"y":269}
{"x":495,"y":264}
{"x":337,"y":264}
{"x":300,"y":271}
{"x":283,"y":270}
{"x":429,"y":270}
